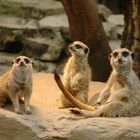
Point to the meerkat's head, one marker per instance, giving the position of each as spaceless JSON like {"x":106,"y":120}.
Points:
{"x":79,"y":49}
{"x":121,"y":58}
{"x":22,"y":62}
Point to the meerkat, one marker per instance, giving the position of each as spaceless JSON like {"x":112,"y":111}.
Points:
{"x":77,"y":74}
{"x":17,"y":83}
{"x":121,"y":96}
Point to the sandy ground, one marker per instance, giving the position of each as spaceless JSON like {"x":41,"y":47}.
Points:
{"x":45,"y":98}
{"x":47,"y":122}
{"x":46,"y":93}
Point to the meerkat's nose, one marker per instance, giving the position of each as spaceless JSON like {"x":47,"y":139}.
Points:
{"x":21,"y":63}
{"x":120,"y":60}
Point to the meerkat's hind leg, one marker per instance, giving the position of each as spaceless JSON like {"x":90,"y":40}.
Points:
{"x":110,"y":109}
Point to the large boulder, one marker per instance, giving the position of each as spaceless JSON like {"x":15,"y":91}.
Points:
{"x":12,"y":129}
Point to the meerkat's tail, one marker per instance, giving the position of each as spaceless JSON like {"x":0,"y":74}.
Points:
{"x":71,"y":98}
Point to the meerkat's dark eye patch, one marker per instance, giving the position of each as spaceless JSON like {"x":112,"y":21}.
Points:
{"x":17,"y":60}
{"x":78,"y":46}
{"x":27,"y":61}
{"x":86,"y":50}
{"x":115,"y":54}
{"x":125,"y":53}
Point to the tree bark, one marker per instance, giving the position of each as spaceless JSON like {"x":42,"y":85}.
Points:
{"x":131,"y":34}
{"x":86,"y":26}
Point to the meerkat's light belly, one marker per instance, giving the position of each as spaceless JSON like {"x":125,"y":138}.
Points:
{"x":116,"y":86}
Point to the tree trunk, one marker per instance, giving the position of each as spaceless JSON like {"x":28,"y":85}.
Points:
{"x":86,"y":26}
{"x":131,"y":34}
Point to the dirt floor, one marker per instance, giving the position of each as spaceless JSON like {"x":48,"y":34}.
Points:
{"x":44,"y":104}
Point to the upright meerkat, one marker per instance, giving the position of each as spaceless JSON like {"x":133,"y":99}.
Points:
{"x":77,"y":74}
{"x":121,"y":96}
{"x":17,"y":83}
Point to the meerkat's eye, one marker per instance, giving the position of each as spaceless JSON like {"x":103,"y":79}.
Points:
{"x":78,"y":47}
{"x":125,"y":53}
{"x":115,"y":54}
{"x":27,"y":61}
{"x":17,"y":60}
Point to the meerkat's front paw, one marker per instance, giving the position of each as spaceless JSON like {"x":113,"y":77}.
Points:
{"x":75,"y":110}
{"x":28,"y":110}
{"x":18,"y":111}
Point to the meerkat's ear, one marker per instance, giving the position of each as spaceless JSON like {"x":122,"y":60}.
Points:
{"x":132,"y":55}
{"x":12,"y":62}
{"x":86,"y":50}
{"x":33,"y":64}
{"x":109,"y":56}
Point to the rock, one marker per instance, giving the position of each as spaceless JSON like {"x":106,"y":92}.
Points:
{"x":112,"y":28}
{"x":45,"y":66}
{"x":65,"y":32}
{"x":35,"y":47}
{"x":56,"y":44}
{"x":15,"y":130}
{"x":6,"y":58}
{"x":117,"y":6}
{"x":107,"y":27}
{"x":114,"y":44}
{"x":42,"y":44}
{"x":103,"y":10}
{"x":30,"y":8}
{"x":116,"y":19}
{"x":47,"y":122}
{"x":116,"y":31}
{"x":26,"y":32}
{"x":12,"y":22}
{"x":45,"y":48}
{"x":55,"y":21}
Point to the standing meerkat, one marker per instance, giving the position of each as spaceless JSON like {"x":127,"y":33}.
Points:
{"x":121,"y":96}
{"x":77,"y":74}
{"x":17,"y":83}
